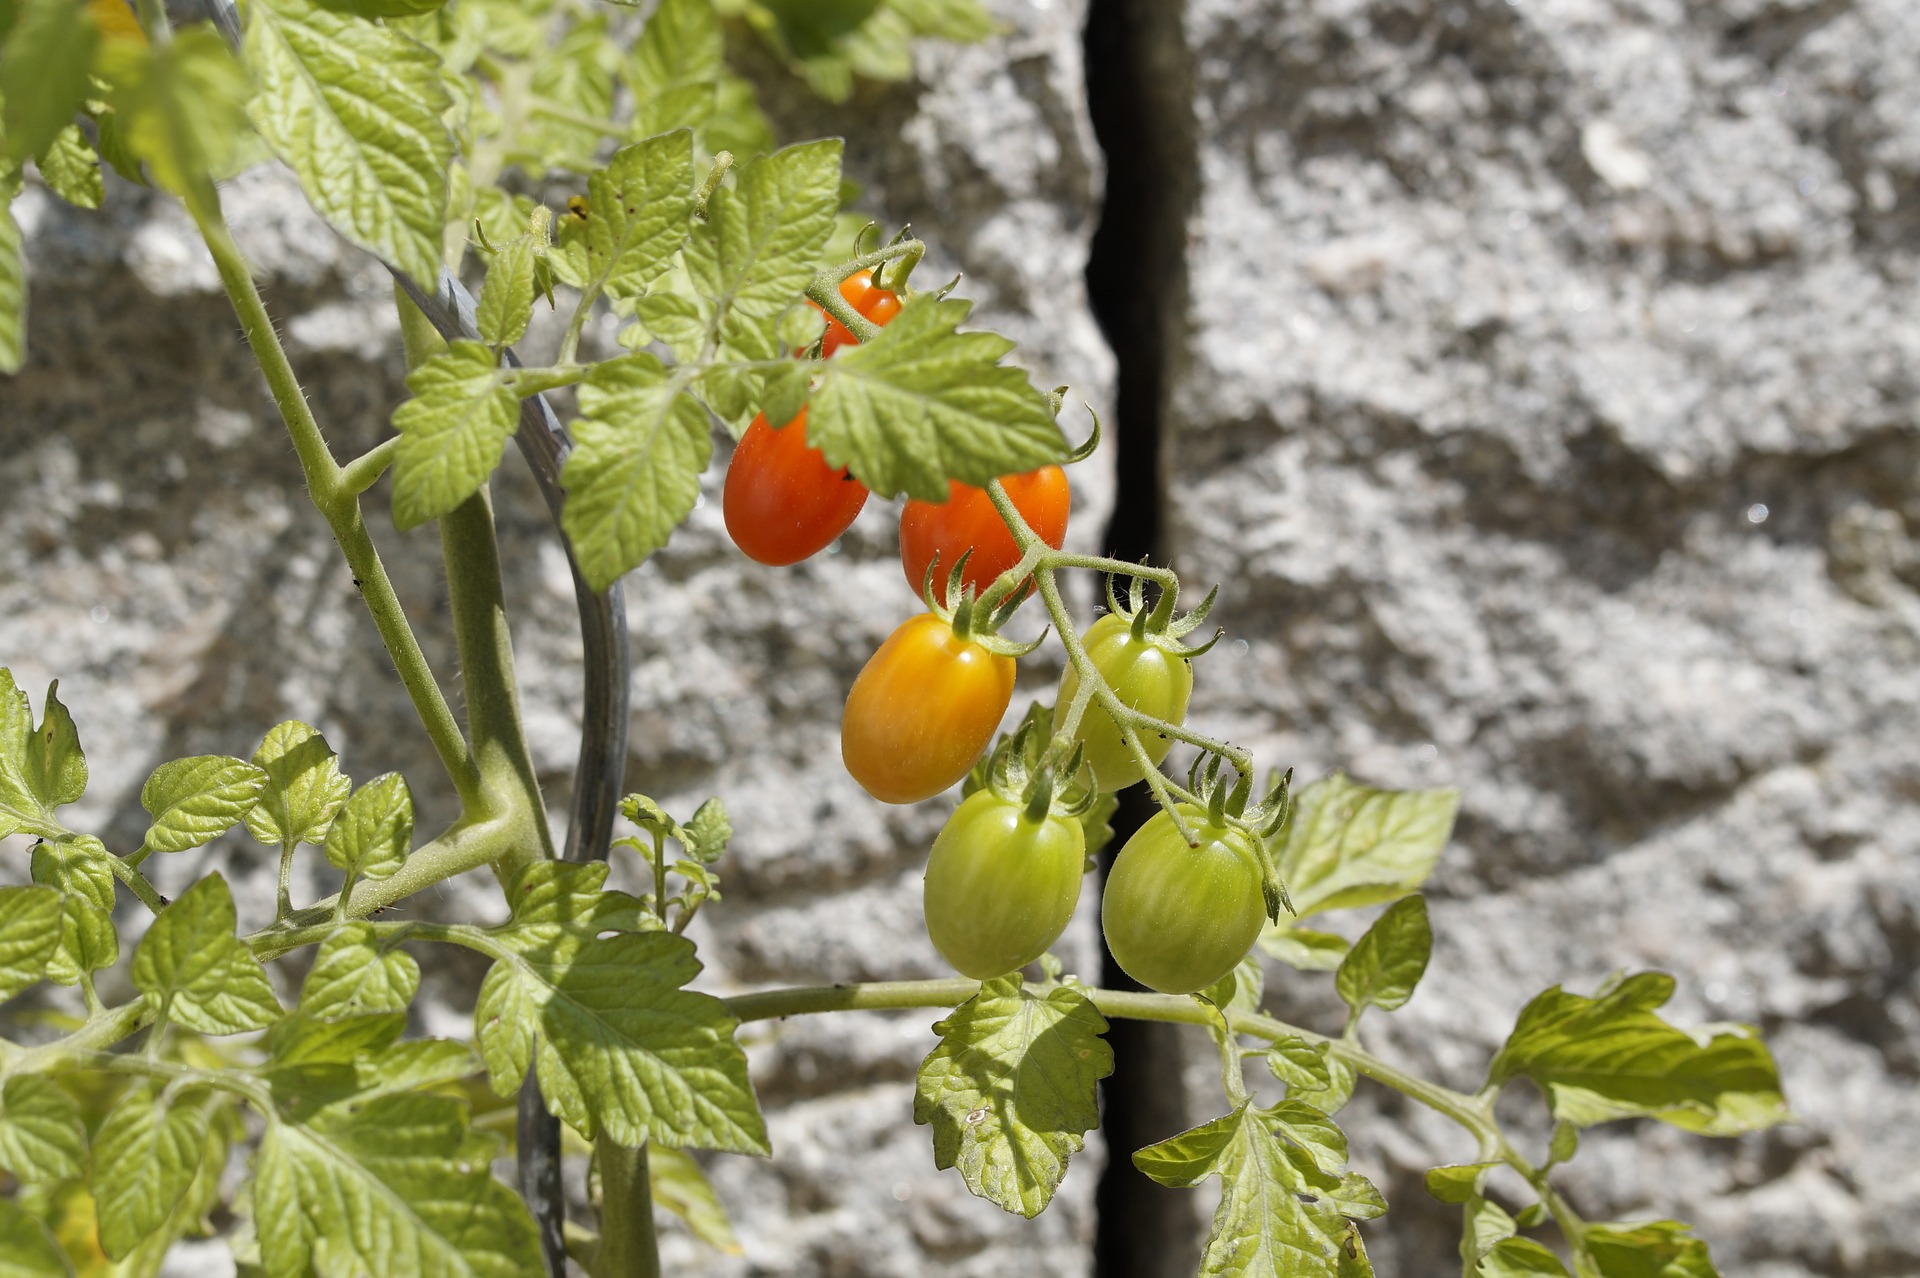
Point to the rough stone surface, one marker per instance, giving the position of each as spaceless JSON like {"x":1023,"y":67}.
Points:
{"x":1548,"y":412}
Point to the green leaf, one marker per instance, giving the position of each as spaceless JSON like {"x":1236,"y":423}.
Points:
{"x":1520,"y":1258}
{"x":1279,"y":1215}
{"x":26,"y":1249}
{"x":1302,"y":948}
{"x":72,"y":170}
{"x":1349,"y":845}
{"x":452,"y":432}
{"x":304,"y":787}
{"x":373,"y":833}
{"x":351,"y":974}
{"x":619,"y":1046}
{"x":29,"y":936}
{"x":678,"y":1184}
{"x":1010,"y":1090}
{"x":42,"y":1136}
{"x":1457,"y":1183}
{"x":1384,"y":965}
{"x":1659,"y":1249}
{"x":144,"y":1160}
{"x":355,"y":109}
{"x":41,"y":768}
{"x":80,"y":867}
{"x":43,"y":72}
{"x":13,"y":312}
{"x":196,"y":973}
{"x":1301,"y":1065}
{"x":1611,"y":1057}
{"x":706,"y":836}
{"x":195,"y":800}
{"x":506,"y":298}
{"x":924,"y":403}
{"x":681,"y":46}
{"x":305,"y":1039}
{"x":1334,"y":1096}
{"x":963,"y":21}
{"x":180,"y":107}
{"x":1484,"y":1223}
{"x":395,"y":1184}
{"x":1565,"y":1143}
{"x":634,"y":473}
{"x":416,"y":1064}
{"x":383,"y":8}
{"x":637,"y":213}
{"x":761,"y":243}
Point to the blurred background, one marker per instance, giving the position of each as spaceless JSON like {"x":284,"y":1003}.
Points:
{"x":1536,"y":377}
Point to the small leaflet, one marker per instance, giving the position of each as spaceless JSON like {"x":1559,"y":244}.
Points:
{"x":41,"y":767}
{"x":453,"y":431}
{"x":195,"y":800}
{"x":374,"y":831}
{"x":1349,"y":845}
{"x":304,"y":788}
{"x":145,"y":1159}
{"x":79,"y":868}
{"x":194,"y":970}
{"x":352,"y":975}
{"x":42,"y":1136}
{"x":1387,"y":963}
{"x":30,"y":919}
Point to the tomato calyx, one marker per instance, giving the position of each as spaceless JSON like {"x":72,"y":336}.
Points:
{"x":1226,"y":805}
{"x":1021,"y":769}
{"x":972,"y":622}
{"x":1159,"y":625}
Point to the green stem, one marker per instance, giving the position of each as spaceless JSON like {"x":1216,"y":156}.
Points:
{"x":284,"y":902}
{"x":341,"y":509}
{"x":825,"y":288}
{"x":628,"y":1247}
{"x":364,"y":471}
{"x":137,"y":883}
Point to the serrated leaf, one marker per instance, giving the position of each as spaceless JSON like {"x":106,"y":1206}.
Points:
{"x":72,"y":170}
{"x":634,"y":473}
{"x":304,"y":788}
{"x":351,"y":974}
{"x":1484,"y":1223}
{"x":1350,"y":845}
{"x":1278,"y":1216}
{"x":1611,"y":1057}
{"x":506,"y":298}
{"x":1387,"y":963}
{"x":395,"y":1184}
{"x":42,"y":1136}
{"x":619,"y":1046}
{"x":1301,"y":1065}
{"x":305,"y":1039}
{"x":78,"y":867}
{"x":374,"y":831}
{"x":1521,"y":1258}
{"x":1658,"y":1249}
{"x":1010,"y":1090}
{"x":416,"y":1064}
{"x":1457,"y":1183}
{"x":758,"y":249}
{"x":145,"y":1158}
{"x":1313,"y":1131}
{"x":41,"y":768}
{"x":43,"y":73}
{"x":355,"y":109}
{"x":13,"y":306}
{"x":196,"y":973}
{"x":678,"y":1184}
{"x":1357,"y":1198}
{"x":783,"y":391}
{"x":680,"y":46}
{"x":452,"y":432}
{"x":1302,"y":948}
{"x":637,"y":213}
{"x":180,"y":107}
{"x":27,"y":1250}
{"x":195,"y":800}
{"x":678,"y":321}
{"x":923,"y":403}
{"x":707,"y":834}
{"x":29,"y":936}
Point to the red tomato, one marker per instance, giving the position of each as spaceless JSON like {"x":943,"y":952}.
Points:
{"x":967,"y":521}
{"x":782,"y":501}
{"x":876,"y":304}
{"x":922,"y":710}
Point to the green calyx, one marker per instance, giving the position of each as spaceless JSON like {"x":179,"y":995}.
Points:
{"x":1225,"y":801}
{"x":1158,"y":625}
{"x":1020,"y":770}
{"x":961,"y":611}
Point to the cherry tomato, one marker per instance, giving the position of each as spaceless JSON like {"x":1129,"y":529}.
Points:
{"x":1000,"y":888}
{"x":876,"y":304}
{"x":966,"y":520}
{"x":1146,"y":676}
{"x":922,"y":710}
{"x":1176,"y":918}
{"x":782,"y":501}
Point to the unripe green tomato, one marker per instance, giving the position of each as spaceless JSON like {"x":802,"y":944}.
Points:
{"x":1178,"y":918}
{"x":1000,"y":888}
{"x":1148,"y":678}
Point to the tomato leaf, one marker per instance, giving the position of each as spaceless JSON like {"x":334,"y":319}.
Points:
{"x":351,"y":975}
{"x":680,"y":46}
{"x":1303,"y":948}
{"x":195,"y":972}
{"x":1484,"y":1225}
{"x":1659,"y":1249}
{"x":79,"y":868}
{"x":678,"y":1184}
{"x":41,"y":768}
{"x":1610,"y":1056}
{"x":923,"y":403}
{"x":761,"y":243}
{"x":1385,"y":964}
{"x":42,"y":1136}
{"x":30,"y":919}
{"x":706,"y":835}
{"x":374,"y":831}
{"x":452,"y":432}
{"x":1523,"y":1258}
{"x":1457,"y":1183}
{"x":304,"y":787}
{"x":1280,"y":1214}
{"x":1301,"y":1065}
{"x":43,"y":72}
{"x":638,"y":209}
{"x":506,"y":298}
{"x":1349,"y":845}
{"x":71,"y":169}
{"x":13,"y":299}
{"x":634,"y":473}
{"x":195,"y":800}
{"x":354,"y":108}
{"x":619,"y":1046}
{"x":180,"y":107}
{"x":1009,"y":1091}
{"x":144,"y":1160}
{"x":29,"y":1249}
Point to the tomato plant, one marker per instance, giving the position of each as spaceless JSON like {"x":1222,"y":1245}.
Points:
{"x":1001,"y":884}
{"x":1149,"y":674}
{"x":1178,"y":918}
{"x":781,"y":500}
{"x":922,"y":710}
{"x":938,"y":533}
{"x":876,"y":304}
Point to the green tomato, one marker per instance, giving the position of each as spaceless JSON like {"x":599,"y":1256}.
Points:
{"x":1000,"y":888}
{"x":1145,"y":676}
{"x":1176,"y":918}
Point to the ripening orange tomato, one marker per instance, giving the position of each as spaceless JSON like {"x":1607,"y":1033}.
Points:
{"x":782,"y":501}
{"x":967,"y":521}
{"x":922,"y":710}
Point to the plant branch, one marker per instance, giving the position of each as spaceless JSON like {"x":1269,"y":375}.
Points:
{"x":137,"y":883}
{"x":628,"y":1247}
